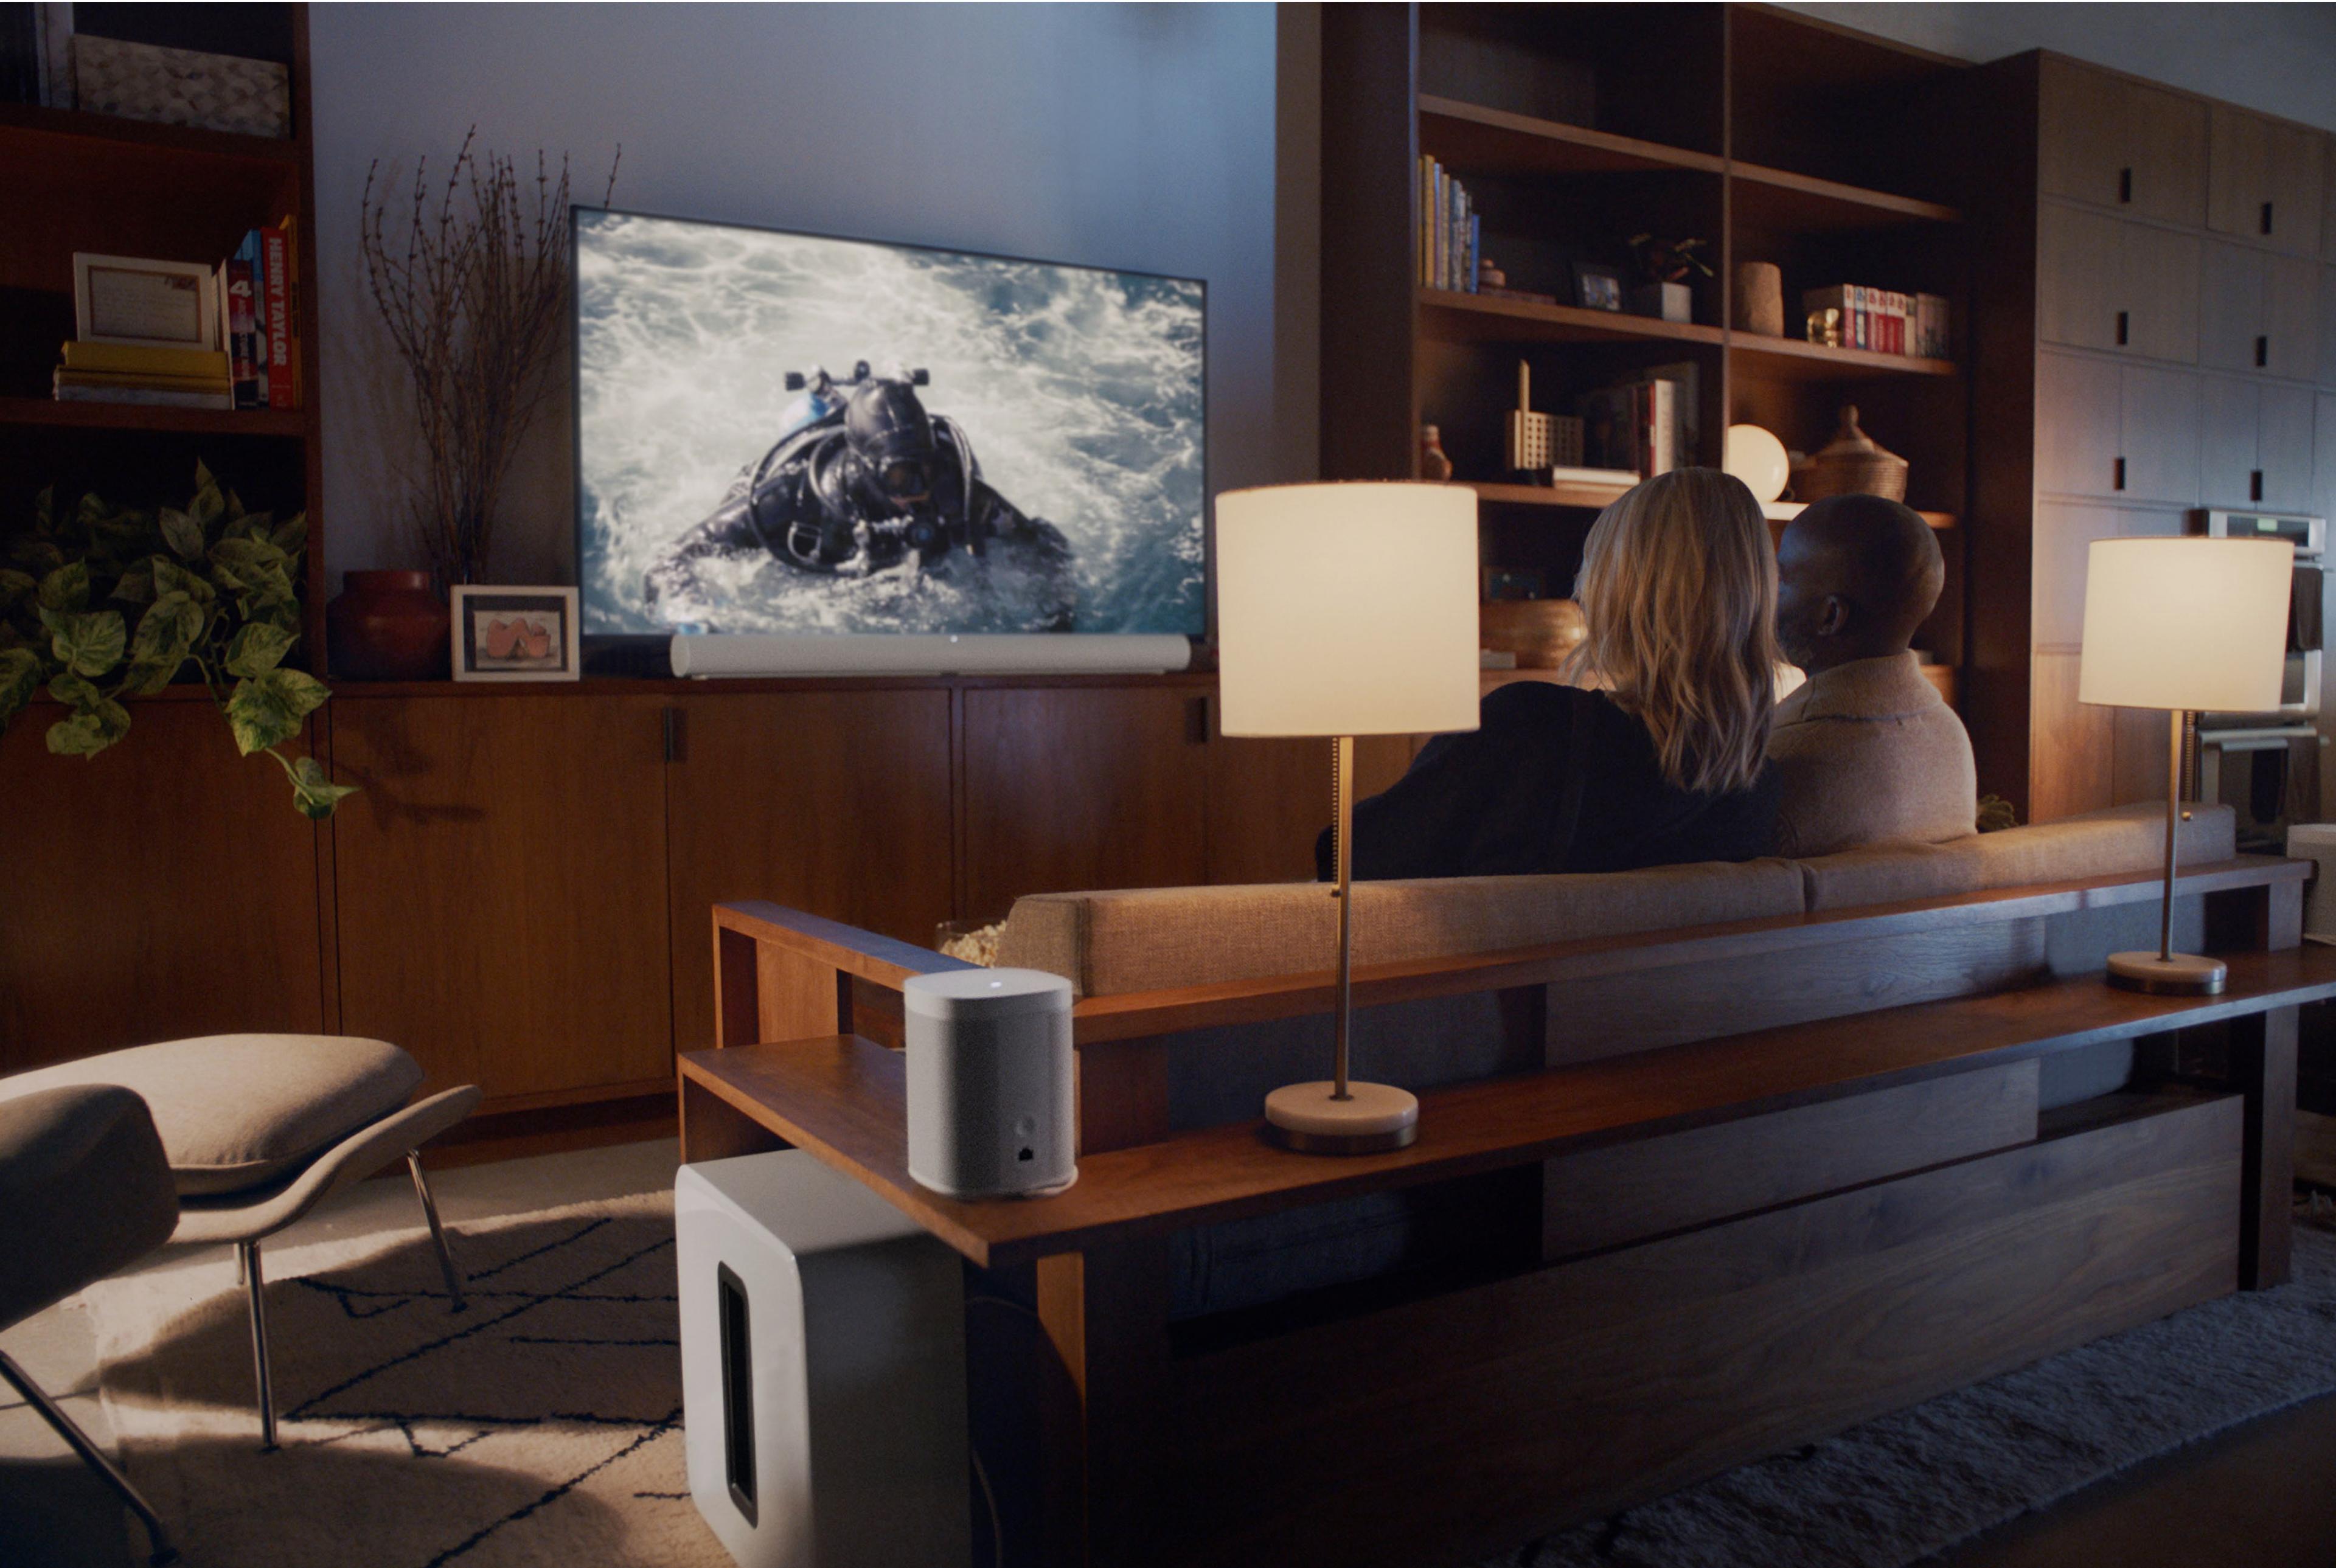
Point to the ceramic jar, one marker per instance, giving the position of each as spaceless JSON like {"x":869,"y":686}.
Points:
{"x":388,"y":626}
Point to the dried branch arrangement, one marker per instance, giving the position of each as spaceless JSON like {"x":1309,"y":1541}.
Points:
{"x":473,"y":293}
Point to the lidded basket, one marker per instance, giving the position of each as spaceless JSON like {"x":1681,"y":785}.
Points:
{"x":1853,"y":464}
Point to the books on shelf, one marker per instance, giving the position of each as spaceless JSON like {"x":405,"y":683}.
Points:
{"x":1885,"y":321}
{"x":1644,"y":426}
{"x":1451,"y":231}
{"x":253,"y":361}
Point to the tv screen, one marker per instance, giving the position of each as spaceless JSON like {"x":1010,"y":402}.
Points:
{"x":789,"y":434}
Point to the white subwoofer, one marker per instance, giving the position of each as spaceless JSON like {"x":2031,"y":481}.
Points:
{"x":822,"y":1367}
{"x":991,"y":1111}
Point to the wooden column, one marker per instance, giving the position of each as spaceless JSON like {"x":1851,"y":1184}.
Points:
{"x":2263,"y":1068}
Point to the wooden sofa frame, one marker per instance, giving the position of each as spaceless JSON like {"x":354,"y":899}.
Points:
{"x":1774,"y":1178}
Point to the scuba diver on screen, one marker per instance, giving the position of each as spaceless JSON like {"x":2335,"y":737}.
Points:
{"x":862,"y":480}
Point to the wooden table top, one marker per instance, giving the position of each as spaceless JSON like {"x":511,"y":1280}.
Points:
{"x":843,"y":1099}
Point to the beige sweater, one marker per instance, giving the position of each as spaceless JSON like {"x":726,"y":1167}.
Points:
{"x":1865,"y":753}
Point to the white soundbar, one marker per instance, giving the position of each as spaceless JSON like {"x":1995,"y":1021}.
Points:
{"x":857,"y":653}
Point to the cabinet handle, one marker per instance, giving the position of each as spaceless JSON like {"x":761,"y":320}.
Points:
{"x":2263,"y":352}
{"x":2255,"y":484}
{"x":1196,"y":721}
{"x":2119,"y":483}
{"x":2125,"y":185}
{"x":2123,"y":322}
{"x":2266,"y":217}
{"x":677,"y":737}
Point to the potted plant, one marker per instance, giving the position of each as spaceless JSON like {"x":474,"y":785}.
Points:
{"x":1664,"y":265}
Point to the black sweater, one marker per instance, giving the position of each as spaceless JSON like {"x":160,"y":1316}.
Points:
{"x":1556,"y":780}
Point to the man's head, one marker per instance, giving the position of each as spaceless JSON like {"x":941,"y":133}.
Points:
{"x":1856,"y":574}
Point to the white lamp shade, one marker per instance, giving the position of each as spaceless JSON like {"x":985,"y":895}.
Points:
{"x":2192,"y":624}
{"x":1346,"y":609}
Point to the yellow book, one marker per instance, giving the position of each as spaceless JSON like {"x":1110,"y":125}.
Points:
{"x":130,"y":359}
{"x":68,"y":376}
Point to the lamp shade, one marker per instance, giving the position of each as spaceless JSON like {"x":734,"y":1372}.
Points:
{"x":2191,"y":624}
{"x":1346,"y":609}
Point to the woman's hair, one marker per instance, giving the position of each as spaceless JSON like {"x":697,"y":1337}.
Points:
{"x":1679,"y":587}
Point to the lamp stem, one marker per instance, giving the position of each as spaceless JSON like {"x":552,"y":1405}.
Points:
{"x":1342,"y":796}
{"x":2172,"y":830}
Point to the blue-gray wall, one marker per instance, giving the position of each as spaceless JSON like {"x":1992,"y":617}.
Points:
{"x":1130,"y":136}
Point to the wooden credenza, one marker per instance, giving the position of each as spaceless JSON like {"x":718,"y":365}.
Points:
{"x":518,"y":893}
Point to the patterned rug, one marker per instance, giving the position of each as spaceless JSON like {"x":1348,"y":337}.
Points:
{"x":542,"y":1427}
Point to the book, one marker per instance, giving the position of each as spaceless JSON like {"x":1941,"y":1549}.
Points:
{"x":1930,"y":327}
{"x":258,"y":256}
{"x":162,"y":397}
{"x":243,"y":360}
{"x":291,"y":230}
{"x":142,"y":359}
{"x":64,"y":376}
{"x":1686,"y":421}
{"x":279,"y":326}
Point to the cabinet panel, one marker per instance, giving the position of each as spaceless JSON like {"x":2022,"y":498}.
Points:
{"x":1270,"y":799}
{"x":2118,"y":143}
{"x":2064,"y":533}
{"x":2297,"y":193}
{"x":1082,"y":787}
{"x":2283,"y":445}
{"x":2327,"y":365}
{"x":2077,"y":425}
{"x":2078,"y":278}
{"x":2266,"y":180}
{"x":2072,"y":745}
{"x":2159,"y":442}
{"x":2139,"y":754}
{"x":2230,"y":305}
{"x":2323,"y":456}
{"x":2232,"y":410}
{"x":2158,"y":290}
{"x":500,"y":885}
{"x":2290,"y":323}
{"x":833,"y":802}
{"x":2169,"y":171}
{"x":163,"y":888}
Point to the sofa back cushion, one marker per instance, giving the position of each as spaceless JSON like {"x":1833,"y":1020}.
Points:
{"x":2122,"y":839}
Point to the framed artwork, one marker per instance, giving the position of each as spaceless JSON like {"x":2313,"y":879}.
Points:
{"x":1597,"y":287}
{"x":515,"y":633}
{"x":149,"y":303}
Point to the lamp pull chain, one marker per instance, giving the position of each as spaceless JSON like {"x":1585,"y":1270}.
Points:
{"x":1342,"y":799}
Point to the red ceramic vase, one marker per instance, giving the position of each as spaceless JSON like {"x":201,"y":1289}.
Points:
{"x":388,"y":626}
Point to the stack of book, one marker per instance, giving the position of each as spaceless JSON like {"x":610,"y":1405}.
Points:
{"x":132,"y":372}
{"x":1885,"y":321}
{"x":1646,"y":426}
{"x":1451,"y":235}
{"x":259,"y":304}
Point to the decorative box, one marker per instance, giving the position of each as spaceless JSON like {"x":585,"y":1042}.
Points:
{"x":182,"y":86}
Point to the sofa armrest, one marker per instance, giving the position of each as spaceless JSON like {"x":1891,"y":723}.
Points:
{"x":780,"y":974}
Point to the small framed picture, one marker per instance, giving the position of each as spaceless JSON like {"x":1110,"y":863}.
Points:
{"x":1597,"y":287}
{"x":150,"y":304}
{"x":515,"y":634}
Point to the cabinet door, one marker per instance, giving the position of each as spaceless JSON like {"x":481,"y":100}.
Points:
{"x":2230,"y":305}
{"x":2077,"y":425}
{"x":2227,"y":436}
{"x":2065,"y":533}
{"x":2072,"y":745}
{"x":2158,"y":291}
{"x":833,"y":802}
{"x":2169,"y":166}
{"x":2078,"y":278}
{"x":1076,"y":787}
{"x":2291,"y":317}
{"x":2159,"y":446}
{"x":161,"y":889}
{"x":500,"y":885}
{"x":2238,"y":170}
{"x":2323,"y":456}
{"x":2297,"y":192}
{"x":2117,"y":144}
{"x":2327,"y":366}
{"x":2283,"y":445}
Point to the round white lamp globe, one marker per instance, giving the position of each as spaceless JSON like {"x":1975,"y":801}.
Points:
{"x":1758,"y":458}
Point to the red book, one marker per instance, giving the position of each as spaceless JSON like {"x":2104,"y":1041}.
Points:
{"x":278,"y":338}
{"x":242,"y":345}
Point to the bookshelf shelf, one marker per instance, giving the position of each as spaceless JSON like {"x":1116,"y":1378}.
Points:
{"x":1776,"y":199}
{"x":30,"y":129}
{"x":1476,"y":139}
{"x":1592,"y":496}
{"x":20,"y":412}
{"x":1786,"y":511}
{"x":1792,"y":359}
{"x":1459,"y":317}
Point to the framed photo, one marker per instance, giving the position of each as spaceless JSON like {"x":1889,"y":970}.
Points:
{"x":515,"y":634}
{"x":150,"y":304}
{"x":1597,"y":287}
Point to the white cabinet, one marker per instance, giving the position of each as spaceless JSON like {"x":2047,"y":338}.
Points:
{"x":2104,"y":283}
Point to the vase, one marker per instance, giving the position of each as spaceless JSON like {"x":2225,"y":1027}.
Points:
{"x":1540,"y":631}
{"x":388,"y":626}
{"x":1760,"y":298}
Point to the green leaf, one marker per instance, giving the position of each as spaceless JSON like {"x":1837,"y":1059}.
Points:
{"x":313,"y":793}
{"x":88,"y":643}
{"x":209,"y":505}
{"x":35,"y":555}
{"x":292,"y":533}
{"x":90,"y":730}
{"x":234,"y":507}
{"x":266,"y":709}
{"x":257,"y":647}
{"x":246,"y":558}
{"x":170,"y":577}
{"x":183,"y":534}
{"x":75,"y":693}
{"x":16,"y":586}
{"x":20,"y":677}
{"x":136,"y":585}
{"x":65,"y":588}
{"x":166,"y":633}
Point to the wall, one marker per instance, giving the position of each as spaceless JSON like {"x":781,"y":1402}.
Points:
{"x":1130,"y":136}
{"x":2279,"y":59}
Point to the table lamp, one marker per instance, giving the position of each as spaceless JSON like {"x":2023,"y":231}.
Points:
{"x":1346,"y":609}
{"x":2188,"y":625}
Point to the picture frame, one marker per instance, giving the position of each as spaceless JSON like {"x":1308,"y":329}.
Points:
{"x":144,"y":303}
{"x":1597,"y":287}
{"x":515,"y":633}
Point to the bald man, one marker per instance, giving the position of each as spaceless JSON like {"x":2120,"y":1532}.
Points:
{"x":1867,"y":752}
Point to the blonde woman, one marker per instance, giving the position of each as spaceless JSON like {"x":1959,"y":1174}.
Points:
{"x":1655,"y":753}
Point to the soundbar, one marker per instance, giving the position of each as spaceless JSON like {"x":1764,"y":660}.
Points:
{"x":1038,"y":653}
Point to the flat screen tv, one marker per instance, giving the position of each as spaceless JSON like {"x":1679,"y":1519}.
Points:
{"x":789,"y":434}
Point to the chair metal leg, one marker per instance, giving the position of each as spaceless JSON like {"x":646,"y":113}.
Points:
{"x":437,"y":1233}
{"x":255,"y":1288}
{"x":91,"y":1455}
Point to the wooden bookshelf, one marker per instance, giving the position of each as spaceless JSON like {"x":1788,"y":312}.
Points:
{"x":47,"y":412}
{"x":1477,"y":317}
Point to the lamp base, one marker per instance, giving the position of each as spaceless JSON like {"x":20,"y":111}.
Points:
{"x":1372,"y":1119}
{"x":2181,"y":975}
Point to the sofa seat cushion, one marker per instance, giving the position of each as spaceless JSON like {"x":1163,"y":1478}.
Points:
{"x":238,"y":1111}
{"x":1111,"y":943}
{"x":2123,"y":839}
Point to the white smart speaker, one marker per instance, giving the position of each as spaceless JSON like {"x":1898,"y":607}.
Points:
{"x":991,"y":1110}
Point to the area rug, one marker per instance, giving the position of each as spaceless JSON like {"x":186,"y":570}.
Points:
{"x":542,"y":1427}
